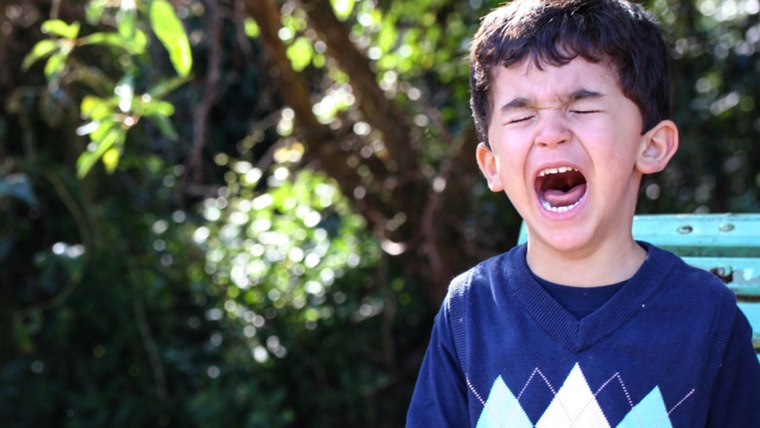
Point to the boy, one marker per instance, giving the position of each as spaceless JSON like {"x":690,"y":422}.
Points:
{"x":583,"y":326}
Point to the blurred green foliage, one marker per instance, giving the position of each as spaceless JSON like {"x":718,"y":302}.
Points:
{"x":248,"y":290}
{"x":110,"y":118}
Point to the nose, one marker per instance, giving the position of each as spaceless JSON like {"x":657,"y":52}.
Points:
{"x":552,"y":128}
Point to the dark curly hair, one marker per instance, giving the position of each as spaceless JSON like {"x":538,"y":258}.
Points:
{"x":554,"y":32}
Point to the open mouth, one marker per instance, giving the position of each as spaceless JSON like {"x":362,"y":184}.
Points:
{"x":560,"y":189}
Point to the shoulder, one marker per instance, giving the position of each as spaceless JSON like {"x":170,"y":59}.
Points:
{"x":696,"y":298}
{"x":496,"y":270}
{"x":487,"y":284}
{"x":690,"y":283}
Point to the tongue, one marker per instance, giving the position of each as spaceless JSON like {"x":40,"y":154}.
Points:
{"x":559,"y":198}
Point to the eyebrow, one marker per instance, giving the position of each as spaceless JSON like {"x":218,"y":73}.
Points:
{"x":524,"y":103}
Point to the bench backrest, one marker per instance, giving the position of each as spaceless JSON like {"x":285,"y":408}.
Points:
{"x":727,"y":245}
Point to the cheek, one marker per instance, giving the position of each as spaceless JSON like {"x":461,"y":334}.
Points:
{"x":613,"y":148}
{"x":514,"y":180}
{"x":512,"y":145}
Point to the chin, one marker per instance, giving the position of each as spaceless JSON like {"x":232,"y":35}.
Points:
{"x":569,"y":241}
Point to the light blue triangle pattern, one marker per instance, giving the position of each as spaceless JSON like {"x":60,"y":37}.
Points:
{"x":574,"y":405}
{"x":502,"y":409}
{"x":650,"y":412}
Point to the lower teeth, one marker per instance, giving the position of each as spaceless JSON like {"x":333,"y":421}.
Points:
{"x":561,"y":209}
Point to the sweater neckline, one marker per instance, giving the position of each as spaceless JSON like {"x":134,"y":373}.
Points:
{"x":578,"y":335}
{"x":579,"y":301}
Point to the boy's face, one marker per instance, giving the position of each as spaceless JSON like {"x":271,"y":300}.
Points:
{"x":567,"y":148}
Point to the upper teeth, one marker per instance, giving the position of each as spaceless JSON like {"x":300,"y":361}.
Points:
{"x":559,"y":170}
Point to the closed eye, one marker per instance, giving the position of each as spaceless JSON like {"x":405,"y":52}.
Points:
{"x":519,"y":119}
{"x":584,"y":111}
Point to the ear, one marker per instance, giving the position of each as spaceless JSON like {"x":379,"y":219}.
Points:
{"x":658,"y":145}
{"x":489,"y":168}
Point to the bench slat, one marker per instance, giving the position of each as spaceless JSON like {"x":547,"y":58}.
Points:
{"x":734,"y":235}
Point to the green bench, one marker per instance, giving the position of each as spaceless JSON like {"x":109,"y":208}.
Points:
{"x":727,"y":245}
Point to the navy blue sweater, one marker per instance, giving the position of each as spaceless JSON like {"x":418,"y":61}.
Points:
{"x":669,"y":348}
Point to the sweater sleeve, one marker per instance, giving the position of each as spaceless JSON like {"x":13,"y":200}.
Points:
{"x":736,"y":395}
{"x":440,"y":395}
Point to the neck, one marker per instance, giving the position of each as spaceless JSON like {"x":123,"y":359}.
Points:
{"x":591,"y":268}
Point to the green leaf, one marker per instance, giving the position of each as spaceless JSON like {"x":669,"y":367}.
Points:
{"x":54,"y":66}
{"x":40,"y":50}
{"x":166,"y":127}
{"x":90,"y":103}
{"x":251,"y":28}
{"x":140,"y":42}
{"x":171,"y":33}
{"x":111,"y":159}
{"x":109,"y":39}
{"x":95,"y":108}
{"x":127,"y":19}
{"x":157,"y":108}
{"x":343,"y":8}
{"x":94,"y":11}
{"x":164,"y":87}
{"x":103,"y":129}
{"x":103,"y":141}
{"x":60,"y":28}
{"x":387,"y":37}
{"x":300,"y":53}
{"x":85,"y":162}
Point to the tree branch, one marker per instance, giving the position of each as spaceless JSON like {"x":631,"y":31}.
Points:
{"x":378,"y":111}
{"x":324,"y":145}
{"x":200,"y":115}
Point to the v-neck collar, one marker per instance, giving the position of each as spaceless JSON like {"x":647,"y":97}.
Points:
{"x":579,"y":335}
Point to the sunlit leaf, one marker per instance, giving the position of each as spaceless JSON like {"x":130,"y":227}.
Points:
{"x":110,"y":39}
{"x":300,"y":53}
{"x":40,"y":50}
{"x":251,"y":28}
{"x":94,"y":10}
{"x":60,"y":28}
{"x":157,"y":108}
{"x":111,"y":159}
{"x":54,"y":65}
{"x":96,"y":108}
{"x":127,"y":19}
{"x":140,"y":42}
{"x":343,"y":8}
{"x":319,"y":61}
{"x":113,"y":136}
{"x":171,"y":33}
{"x":104,"y":128}
{"x":387,"y":37}
{"x":84,"y":163}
